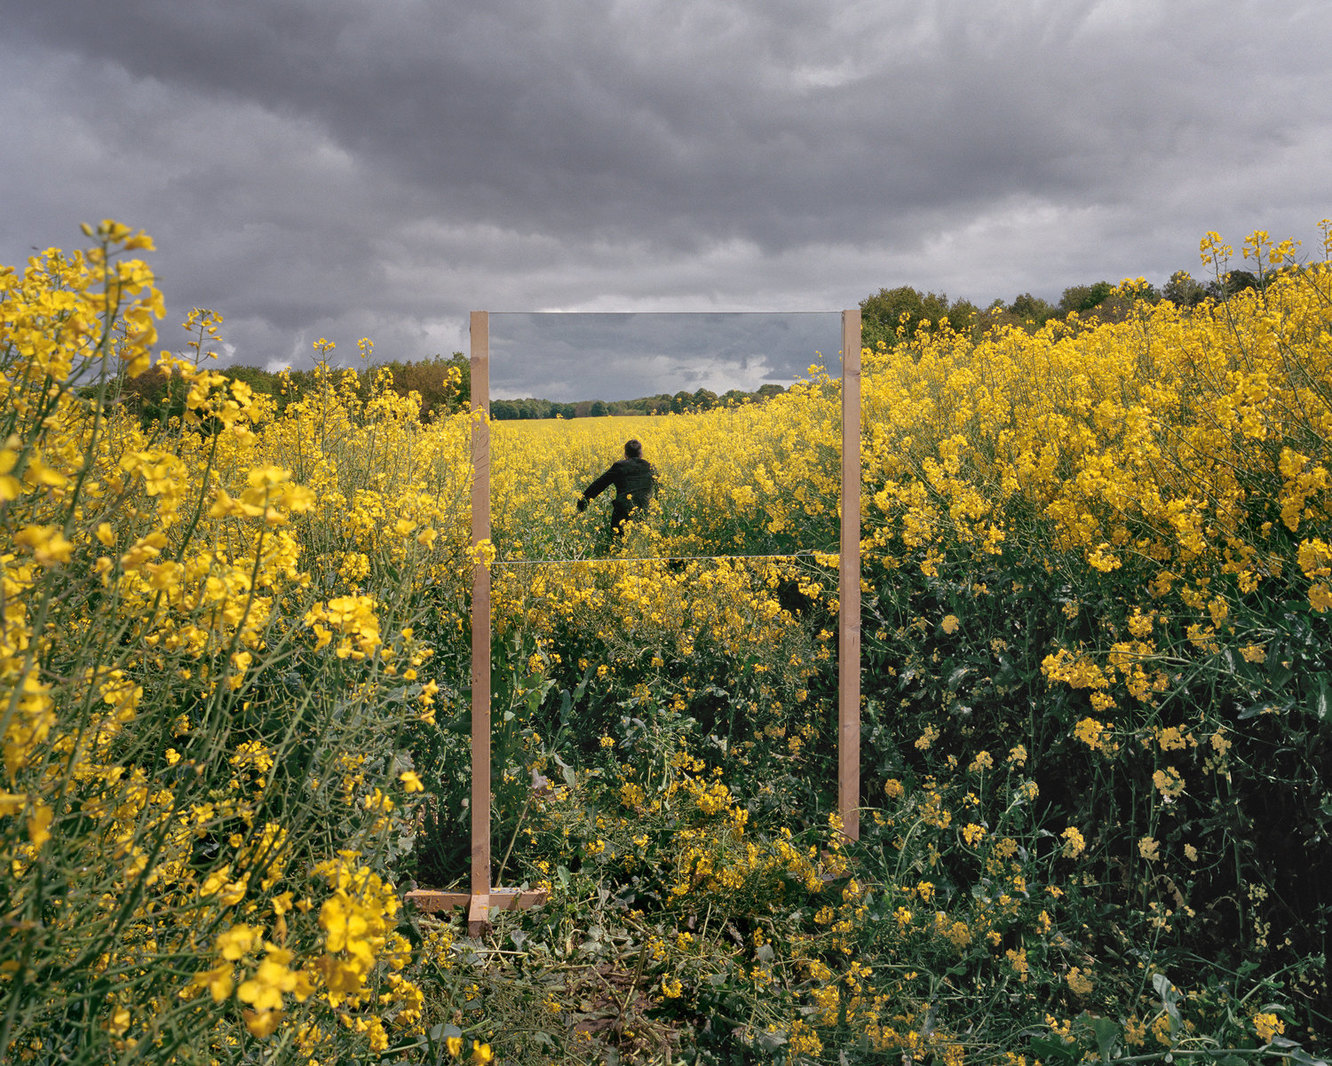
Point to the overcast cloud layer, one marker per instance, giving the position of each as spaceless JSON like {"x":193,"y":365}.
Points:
{"x":346,"y":168}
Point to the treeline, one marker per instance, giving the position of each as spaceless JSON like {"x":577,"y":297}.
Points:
{"x":887,"y":317}
{"x":891,"y":315}
{"x":443,"y":385}
{"x":662,"y":403}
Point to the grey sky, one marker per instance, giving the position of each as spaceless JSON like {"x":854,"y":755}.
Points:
{"x":346,"y":168}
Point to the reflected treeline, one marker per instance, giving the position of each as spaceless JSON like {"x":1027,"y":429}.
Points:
{"x":661,"y":404}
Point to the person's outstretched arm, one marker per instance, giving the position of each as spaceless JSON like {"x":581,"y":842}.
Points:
{"x":597,"y":488}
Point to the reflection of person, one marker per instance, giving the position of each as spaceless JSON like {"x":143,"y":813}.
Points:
{"x":635,"y":482}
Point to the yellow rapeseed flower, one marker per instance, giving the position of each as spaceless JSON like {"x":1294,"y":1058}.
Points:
{"x":1074,"y":843}
{"x":1267,"y":1025}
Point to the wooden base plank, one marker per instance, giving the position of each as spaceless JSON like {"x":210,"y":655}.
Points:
{"x":499,"y":899}
{"x":511,"y":899}
{"x":428,"y":899}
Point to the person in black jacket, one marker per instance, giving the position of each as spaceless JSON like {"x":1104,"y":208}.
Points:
{"x":635,"y":482}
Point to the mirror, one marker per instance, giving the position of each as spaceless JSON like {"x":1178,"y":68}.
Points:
{"x":745,"y":443}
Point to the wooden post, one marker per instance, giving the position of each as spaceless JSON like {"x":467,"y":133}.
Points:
{"x":480,"y":880}
{"x":483,"y":897}
{"x":848,"y":587}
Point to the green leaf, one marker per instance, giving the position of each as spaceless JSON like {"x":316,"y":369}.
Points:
{"x":770,"y":1041}
{"x":1051,"y":1049}
{"x":1169,"y":998}
{"x":1107,"y":1036}
{"x":1295,"y":1053}
{"x":1320,"y":704}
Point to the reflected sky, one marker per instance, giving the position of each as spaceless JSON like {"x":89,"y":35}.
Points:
{"x":566,"y":357}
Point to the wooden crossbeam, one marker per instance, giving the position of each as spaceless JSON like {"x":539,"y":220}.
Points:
{"x":478,"y":907}
{"x":497,"y":899}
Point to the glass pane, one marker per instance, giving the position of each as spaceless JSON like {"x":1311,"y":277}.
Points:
{"x":743,"y":436}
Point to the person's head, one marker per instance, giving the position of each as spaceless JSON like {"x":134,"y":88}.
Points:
{"x":632,"y":449}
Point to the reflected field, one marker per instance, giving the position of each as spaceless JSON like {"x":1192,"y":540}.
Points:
{"x":757,"y":479}
{"x":750,"y":478}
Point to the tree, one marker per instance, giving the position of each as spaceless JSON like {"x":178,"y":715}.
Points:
{"x":962,"y":315}
{"x":1082,"y":298}
{"x":892,"y":315}
{"x":1235,"y":281}
{"x":1032,"y":310}
{"x":156,"y":395}
{"x":464,"y":367}
{"x":444,"y":385}
{"x":1182,"y":291}
{"x":263,"y":381}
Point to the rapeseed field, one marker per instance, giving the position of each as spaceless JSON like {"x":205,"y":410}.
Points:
{"x":1097,"y":670}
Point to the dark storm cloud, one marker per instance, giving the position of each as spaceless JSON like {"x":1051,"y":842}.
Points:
{"x":378,"y":167}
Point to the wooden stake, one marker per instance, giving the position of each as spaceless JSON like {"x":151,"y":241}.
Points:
{"x":480,"y":363}
{"x":848,"y":587}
